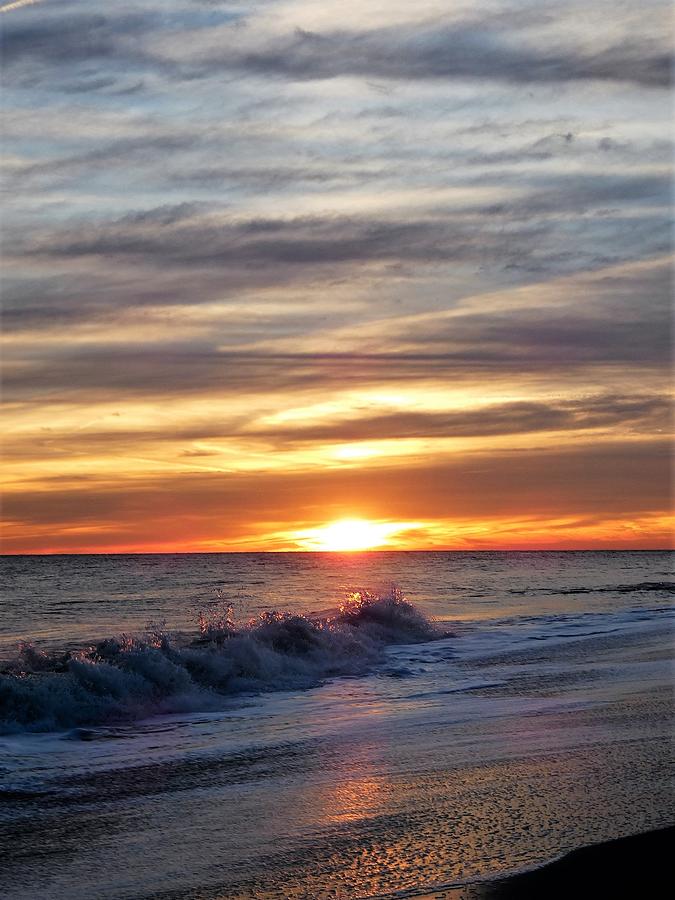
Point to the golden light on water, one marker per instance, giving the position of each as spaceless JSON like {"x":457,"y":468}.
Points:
{"x":347,"y":535}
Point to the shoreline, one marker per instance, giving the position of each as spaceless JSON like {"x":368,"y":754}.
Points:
{"x":631,"y":867}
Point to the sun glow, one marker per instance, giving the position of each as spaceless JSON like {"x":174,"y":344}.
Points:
{"x":352,"y":534}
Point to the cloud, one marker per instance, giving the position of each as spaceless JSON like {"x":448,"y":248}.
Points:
{"x":580,"y":324}
{"x":218,"y":216}
{"x":17,"y":4}
{"x":529,"y":232}
{"x":68,"y":38}
{"x":474,"y":50}
{"x":608,"y":414}
{"x":650,"y":412}
{"x":617,"y":480}
{"x":189,"y":240}
{"x":488,"y":48}
{"x":148,"y":148}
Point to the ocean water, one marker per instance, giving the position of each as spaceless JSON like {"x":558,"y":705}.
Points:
{"x":326,"y":725}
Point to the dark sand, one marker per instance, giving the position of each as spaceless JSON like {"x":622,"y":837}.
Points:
{"x":636,"y":868}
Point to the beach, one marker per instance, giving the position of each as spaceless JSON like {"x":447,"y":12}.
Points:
{"x":500,"y":744}
{"x":635,"y":866}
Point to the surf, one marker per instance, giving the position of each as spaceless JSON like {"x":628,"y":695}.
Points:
{"x":129,"y":677}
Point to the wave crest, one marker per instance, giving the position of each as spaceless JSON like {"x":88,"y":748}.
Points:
{"x":127,"y":677}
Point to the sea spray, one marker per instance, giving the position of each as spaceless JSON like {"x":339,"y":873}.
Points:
{"x":131,"y":677}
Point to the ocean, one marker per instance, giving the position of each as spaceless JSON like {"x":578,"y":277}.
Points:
{"x":321,"y":725}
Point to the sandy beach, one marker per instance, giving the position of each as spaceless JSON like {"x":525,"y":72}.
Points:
{"x":632,"y":867}
{"x":537,"y":728}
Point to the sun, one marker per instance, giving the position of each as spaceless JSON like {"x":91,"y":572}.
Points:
{"x":348,"y":535}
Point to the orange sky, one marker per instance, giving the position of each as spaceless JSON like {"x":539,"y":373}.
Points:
{"x":388,"y":281}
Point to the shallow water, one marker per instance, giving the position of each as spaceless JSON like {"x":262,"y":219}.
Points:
{"x":542,"y":724}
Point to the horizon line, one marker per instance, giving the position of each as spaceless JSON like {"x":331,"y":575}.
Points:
{"x":346,"y":552}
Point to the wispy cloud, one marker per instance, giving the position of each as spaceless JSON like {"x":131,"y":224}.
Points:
{"x":288,"y":249}
{"x":17,"y":4}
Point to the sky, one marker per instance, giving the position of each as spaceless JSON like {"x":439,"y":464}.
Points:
{"x":272,"y":265}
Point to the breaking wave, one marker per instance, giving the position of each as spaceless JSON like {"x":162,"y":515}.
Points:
{"x":130,"y":677}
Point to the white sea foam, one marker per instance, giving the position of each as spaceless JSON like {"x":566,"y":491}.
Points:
{"x":131,"y":677}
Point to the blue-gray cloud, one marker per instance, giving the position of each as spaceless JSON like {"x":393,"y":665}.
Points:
{"x":290,"y":210}
{"x":483,"y":48}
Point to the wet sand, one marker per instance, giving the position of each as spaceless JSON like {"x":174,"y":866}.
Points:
{"x":632,"y":867}
{"x":476,"y":765}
